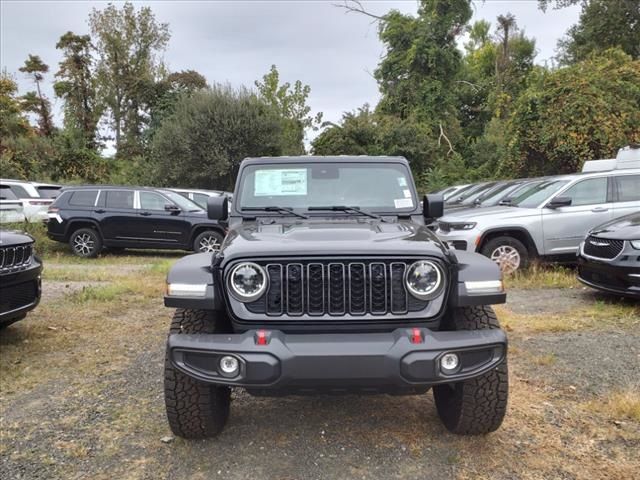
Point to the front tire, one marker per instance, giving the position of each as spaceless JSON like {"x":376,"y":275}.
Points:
{"x":476,"y":406}
{"x":86,"y":243}
{"x":207,"y":241}
{"x":509,"y":253}
{"x":194,"y":409}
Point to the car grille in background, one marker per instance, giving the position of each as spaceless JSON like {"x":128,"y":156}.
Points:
{"x":350,"y":287}
{"x":602,"y":247}
{"x":18,"y":296}
{"x":15,"y":257}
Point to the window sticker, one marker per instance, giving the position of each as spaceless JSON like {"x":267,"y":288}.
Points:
{"x":403,"y":203}
{"x":280,"y":182}
{"x":402,"y":181}
{"x":407,"y":193}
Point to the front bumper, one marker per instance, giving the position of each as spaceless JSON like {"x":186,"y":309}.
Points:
{"x":620,"y":276}
{"x":459,"y":239}
{"x":370,"y":362}
{"x":19,"y":293}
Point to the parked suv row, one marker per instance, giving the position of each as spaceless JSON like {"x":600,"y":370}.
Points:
{"x":548,"y":220}
{"x":20,"y":201}
{"x":91,"y":218}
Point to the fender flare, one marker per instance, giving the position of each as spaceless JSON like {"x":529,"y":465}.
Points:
{"x":69,"y":228}
{"x":531,"y":242}
{"x":195,"y":271}
{"x":476,"y":270}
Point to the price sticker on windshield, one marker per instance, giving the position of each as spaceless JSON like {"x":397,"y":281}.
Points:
{"x":280,"y":182}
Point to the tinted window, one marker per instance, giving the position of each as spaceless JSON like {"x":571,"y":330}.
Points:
{"x":19,"y":191}
{"x":587,"y":192}
{"x":48,"y":192}
{"x":152,"y":201}
{"x":83,"y":198}
{"x":628,"y":188}
{"x":6,"y":193}
{"x":119,"y":198}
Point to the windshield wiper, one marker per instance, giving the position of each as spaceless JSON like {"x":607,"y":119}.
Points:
{"x":274,"y":209}
{"x":344,"y":208}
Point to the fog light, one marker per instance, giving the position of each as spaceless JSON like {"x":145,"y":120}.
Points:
{"x":449,"y":362}
{"x":229,"y":365}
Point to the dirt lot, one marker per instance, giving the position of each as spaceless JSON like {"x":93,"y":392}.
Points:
{"x":81,"y":395}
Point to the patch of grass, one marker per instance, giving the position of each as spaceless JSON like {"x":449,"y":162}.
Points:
{"x":108,"y":293}
{"x":618,"y":405}
{"x":545,"y":360}
{"x":543,"y":276}
{"x":600,"y":315}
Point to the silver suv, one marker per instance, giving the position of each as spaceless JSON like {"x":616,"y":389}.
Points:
{"x":549,"y":220}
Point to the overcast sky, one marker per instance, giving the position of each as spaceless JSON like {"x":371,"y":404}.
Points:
{"x":237,"y":42}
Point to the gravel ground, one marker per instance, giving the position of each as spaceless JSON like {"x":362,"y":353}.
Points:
{"x":53,"y":290}
{"x":109,"y":421}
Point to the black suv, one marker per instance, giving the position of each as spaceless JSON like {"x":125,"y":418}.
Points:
{"x":92,"y":217}
{"x":329,"y":282}
{"x":20,"y":270}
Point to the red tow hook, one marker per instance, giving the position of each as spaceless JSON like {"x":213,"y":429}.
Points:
{"x":262,"y":337}
{"x":416,"y":336}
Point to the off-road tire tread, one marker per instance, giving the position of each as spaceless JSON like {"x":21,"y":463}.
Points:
{"x":194,"y":409}
{"x":476,"y":406}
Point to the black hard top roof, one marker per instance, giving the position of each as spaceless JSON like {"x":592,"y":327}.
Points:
{"x":321,"y":159}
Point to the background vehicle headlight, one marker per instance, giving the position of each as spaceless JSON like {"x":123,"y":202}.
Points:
{"x":248,"y":281}
{"x":424,"y":279}
{"x":635,"y":244}
{"x":462,"y":226}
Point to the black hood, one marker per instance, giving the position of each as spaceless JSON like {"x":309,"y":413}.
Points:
{"x":10,"y":238}
{"x":330,"y":238}
{"x":623,"y":228}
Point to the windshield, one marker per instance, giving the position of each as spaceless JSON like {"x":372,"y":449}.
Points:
{"x":385,"y":187}
{"x":532,"y":197}
{"x":182,"y":202}
{"x":495,"y":195}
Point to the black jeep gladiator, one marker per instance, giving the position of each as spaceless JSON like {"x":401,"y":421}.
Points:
{"x":328,"y":281}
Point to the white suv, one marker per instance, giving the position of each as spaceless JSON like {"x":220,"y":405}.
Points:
{"x":548,"y":221}
{"x":29,"y":201}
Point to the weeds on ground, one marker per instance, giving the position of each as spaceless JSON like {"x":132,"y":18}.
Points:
{"x":543,"y":276}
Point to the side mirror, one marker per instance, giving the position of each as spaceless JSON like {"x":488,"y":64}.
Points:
{"x":559,"y":202}
{"x":505,"y":201}
{"x":170,"y":207}
{"x":433,"y":206}
{"x":218,"y":208}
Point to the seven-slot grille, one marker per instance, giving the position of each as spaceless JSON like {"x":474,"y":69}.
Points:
{"x":349,"y":287}
{"x":602,"y":247}
{"x":15,"y":257}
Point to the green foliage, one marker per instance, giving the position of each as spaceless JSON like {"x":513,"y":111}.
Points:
{"x":291,"y":105}
{"x":202,"y":143}
{"x":583,"y":112}
{"x":13,"y":123}
{"x":603,"y":24}
{"x":76,"y":85}
{"x":128,"y":44}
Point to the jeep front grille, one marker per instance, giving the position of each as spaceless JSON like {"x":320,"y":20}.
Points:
{"x":334,"y":288}
{"x":602,"y":247}
{"x":15,"y":258}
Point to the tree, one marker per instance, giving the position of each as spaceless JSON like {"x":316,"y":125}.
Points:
{"x":291,"y":104}
{"x":368,"y":133}
{"x":202,"y":143}
{"x":12,"y":121}
{"x":76,"y":85}
{"x":36,"y":102}
{"x":583,"y":112}
{"x":603,"y":24}
{"x":129,"y":44}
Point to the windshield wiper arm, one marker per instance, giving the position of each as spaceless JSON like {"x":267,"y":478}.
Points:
{"x":344,"y":208}
{"x":274,"y":209}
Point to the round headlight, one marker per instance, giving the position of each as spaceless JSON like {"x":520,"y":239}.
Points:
{"x":248,"y":281}
{"x":424,"y":279}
